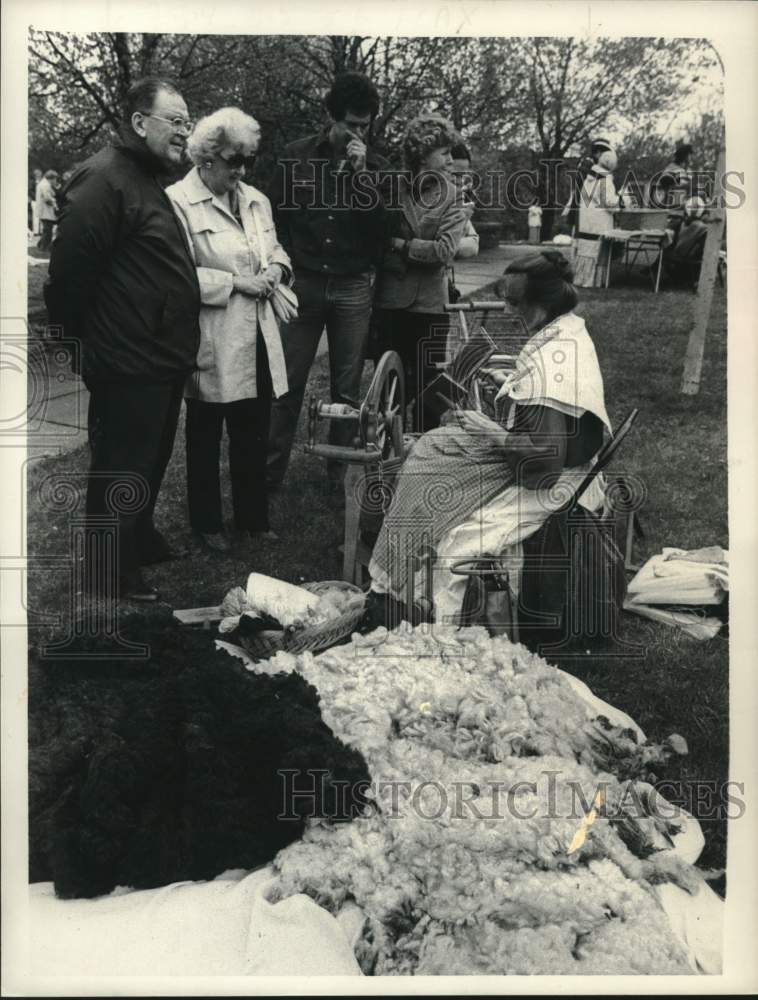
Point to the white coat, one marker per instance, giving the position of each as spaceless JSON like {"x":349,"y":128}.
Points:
{"x":230,"y":321}
{"x":598,"y":202}
{"x":47,"y":206}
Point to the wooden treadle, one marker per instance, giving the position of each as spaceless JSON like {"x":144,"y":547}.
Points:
{"x":199,"y":616}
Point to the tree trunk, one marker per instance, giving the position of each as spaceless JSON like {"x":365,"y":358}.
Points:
{"x":547,"y":190}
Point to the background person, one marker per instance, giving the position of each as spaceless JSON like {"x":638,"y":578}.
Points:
{"x":47,"y":208}
{"x":123,"y":282}
{"x":240,"y":363}
{"x":675,"y":183}
{"x":33,"y":221}
{"x":423,"y":236}
{"x":60,"y":186}
{"x":683,"y":256}
{"x":570,"y":213}
{"x":534,"y":221}
{"x":597,"y":203}
{"x":333,"y":236}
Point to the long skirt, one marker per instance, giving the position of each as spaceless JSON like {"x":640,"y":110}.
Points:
{"x":593,"y":258}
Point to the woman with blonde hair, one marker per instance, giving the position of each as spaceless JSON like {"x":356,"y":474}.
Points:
{"x":240,"y":363}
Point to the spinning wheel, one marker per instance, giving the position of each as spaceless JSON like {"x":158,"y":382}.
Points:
{"x":381,"y":415}
{"x":378,"y":421}
{"x":377,"y":444}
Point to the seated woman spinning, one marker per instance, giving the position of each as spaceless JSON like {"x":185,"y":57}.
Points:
{"x":478,"y":487}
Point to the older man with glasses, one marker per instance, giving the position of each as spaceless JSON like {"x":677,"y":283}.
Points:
{"x":123,"y":282}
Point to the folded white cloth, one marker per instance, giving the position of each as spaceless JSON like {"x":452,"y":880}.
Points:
{"x":678,"y":576}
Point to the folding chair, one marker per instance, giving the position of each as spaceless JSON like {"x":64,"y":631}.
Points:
{"x":488,"y":573}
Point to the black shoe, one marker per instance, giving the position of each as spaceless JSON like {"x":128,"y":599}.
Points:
{"x":382,"y":610}
{"x":134,"y":587}
{"x":214,"y":541}
{"x":159,"y":551}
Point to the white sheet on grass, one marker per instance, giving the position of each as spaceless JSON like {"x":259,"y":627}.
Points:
{"x":221,"y":928}
{"x":698,"y":921}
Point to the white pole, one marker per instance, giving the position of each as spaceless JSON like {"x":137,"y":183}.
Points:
{"x":693,"y":359}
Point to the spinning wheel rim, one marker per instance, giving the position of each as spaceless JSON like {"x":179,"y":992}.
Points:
{"x":384,"y":405}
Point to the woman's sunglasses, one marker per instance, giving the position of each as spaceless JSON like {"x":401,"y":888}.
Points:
{"x":238,"y":160}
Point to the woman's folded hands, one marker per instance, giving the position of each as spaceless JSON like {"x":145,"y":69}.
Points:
{"x":257,"y":286}
{"x":536,"y":451}
{"x":261,"y":285}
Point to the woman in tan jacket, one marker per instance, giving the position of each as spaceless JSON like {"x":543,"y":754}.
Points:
{"x":240,"y":363}
{"x":426,"y":227}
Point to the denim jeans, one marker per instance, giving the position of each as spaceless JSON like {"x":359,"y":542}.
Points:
{"x":342,"y":303}
{"x":419,"y":339}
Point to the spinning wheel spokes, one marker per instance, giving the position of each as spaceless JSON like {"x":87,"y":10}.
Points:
{"x":388,"y":410}
{"x":384,"y":404}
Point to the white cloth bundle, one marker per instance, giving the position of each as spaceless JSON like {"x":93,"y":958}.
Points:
{"x":678,"y":576}
{"x":681,"y":577}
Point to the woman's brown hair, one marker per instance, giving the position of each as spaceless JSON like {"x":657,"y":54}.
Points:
{"x":549,"y":278}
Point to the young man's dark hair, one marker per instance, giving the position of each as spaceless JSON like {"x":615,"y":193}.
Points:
{"x":352,"y":92}
{"x":141,"y":95}
{"x":460,"y":151}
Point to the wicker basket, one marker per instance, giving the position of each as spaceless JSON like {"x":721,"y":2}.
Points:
{"x":315,"y":639}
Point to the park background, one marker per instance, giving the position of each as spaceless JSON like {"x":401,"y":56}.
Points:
{"x":516,"y":101}
{"x":520,"y":103}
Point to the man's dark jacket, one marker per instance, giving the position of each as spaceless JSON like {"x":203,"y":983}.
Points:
{"x":328,"y":220}
{"x":121,"y":276}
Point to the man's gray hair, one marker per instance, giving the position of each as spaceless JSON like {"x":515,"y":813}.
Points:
{"x":227,"y":128}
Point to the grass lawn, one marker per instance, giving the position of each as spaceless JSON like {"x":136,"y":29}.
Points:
{"x":677,"y":448}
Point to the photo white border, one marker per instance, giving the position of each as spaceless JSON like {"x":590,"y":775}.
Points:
{"x":733,"y":27}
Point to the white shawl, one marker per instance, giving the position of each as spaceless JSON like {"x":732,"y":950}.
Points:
{"x":558,"y":367}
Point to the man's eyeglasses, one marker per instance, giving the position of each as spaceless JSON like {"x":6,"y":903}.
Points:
{"x":238,"y":160}
{"x":177,"y":124}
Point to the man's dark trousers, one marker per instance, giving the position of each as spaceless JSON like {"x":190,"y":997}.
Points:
{"x":132,"y":426}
